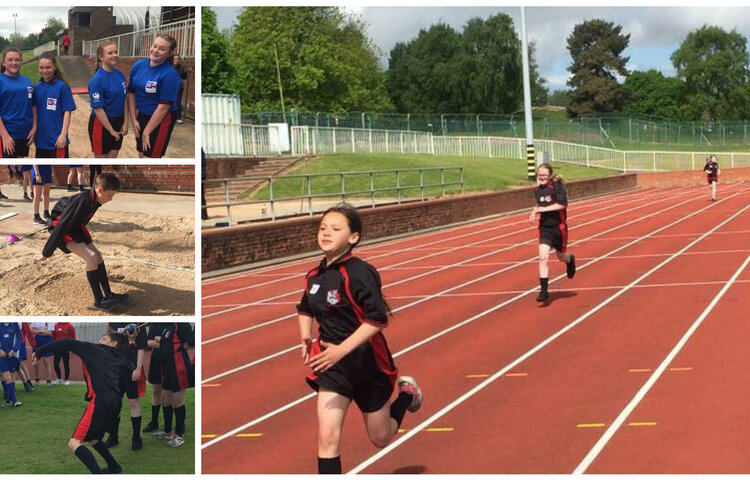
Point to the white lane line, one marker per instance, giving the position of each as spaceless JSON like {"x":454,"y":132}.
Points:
{"x":440,"y":251}
{"x":450,"y":329}
{"x":609,"y":433}
{"x":448,"y":408}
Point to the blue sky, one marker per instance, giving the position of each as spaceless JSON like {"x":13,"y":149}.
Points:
{"x":655,"y":32}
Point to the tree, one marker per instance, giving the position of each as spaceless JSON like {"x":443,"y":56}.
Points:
{"x":475,"y":71}
{"x":596,"y":48}
{"x":326,"y":61}
{"x":30,"y":42}
{"x":713,"y":63}
{"x":651,"y":93}
{"x":218,"y":72}
{"x":559,"y":98}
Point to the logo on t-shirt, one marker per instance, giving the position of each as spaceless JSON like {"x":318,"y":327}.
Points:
{"x":96,"y":96}
{"x":30,"y":90}
{"x":333,"y":297}
{"x":314,"y":289}
{"x":51,"y":103}
{"x":124,"y":88}
{"x":151,"y":87}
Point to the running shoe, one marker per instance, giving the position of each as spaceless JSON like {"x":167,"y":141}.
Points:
{"x":112,"y":470}
{"x":81,"y":188}
{"x":543,"y":297}
{"x":17,"y":403}
{"x":3,"y":197}
{"x":163,"y":434}
{"x":71,"y":189}
{"x":572,"y":267}
{"x":7,"y":403}
{"x":38,"y":220}
{"x":136,"y":444}
{"x":150,"y":427}
{"x":27,"y":197}
{"x":66,"y":382}
{"x":409,"y":385}
{"x":176,"y":441}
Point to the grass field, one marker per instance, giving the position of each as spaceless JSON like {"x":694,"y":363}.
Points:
{"x":480,"y":174}
{"x":45,"y":421}
{"x":31,"y":70}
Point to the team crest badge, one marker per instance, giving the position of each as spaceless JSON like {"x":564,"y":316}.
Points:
{"x":333,"y":297}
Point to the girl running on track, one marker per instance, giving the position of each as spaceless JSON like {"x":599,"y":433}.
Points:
{"x":17,"y":118}
{"x":53,"y":104}
{"x":350,"y":359}
{"x":551,"y":205}
{"x":108,"y":92}
{"x":712,"y":174}
{"x":152,"y":98}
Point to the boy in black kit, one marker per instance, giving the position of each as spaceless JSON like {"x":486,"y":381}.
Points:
{"x":104,"y":366}
{"x":67,"y":227}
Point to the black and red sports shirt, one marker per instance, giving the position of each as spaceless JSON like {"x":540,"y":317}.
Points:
{"x":548,"y":194}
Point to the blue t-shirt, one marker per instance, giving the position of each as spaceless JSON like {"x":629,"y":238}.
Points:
{"x":108,"y":90}
{"x":52,"y":100}
{"x":15,"y":105}
{"x":154,"y":85}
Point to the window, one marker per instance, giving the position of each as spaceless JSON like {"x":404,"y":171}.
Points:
{"x":83,"y":19}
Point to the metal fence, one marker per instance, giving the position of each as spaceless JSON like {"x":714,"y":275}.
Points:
{"x":611,"y":131}
{"x":47,"y":47}
{"x":318,"y":191}
{"x":240,"y":140}
{"x":314,"y":141}
{"x":136,"y":44}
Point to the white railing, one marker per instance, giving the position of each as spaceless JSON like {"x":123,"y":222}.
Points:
{"x":47,"y":47}
{"x":325,"y":140}
{"x":136,"y":44}
{"x":240,"y":140}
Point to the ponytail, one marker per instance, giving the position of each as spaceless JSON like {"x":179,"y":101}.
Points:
{"x":172,"y":45}
{"x":100,"y":52}
{"x":557,"y":178}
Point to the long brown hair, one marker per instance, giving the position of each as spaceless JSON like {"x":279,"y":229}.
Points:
{"x":6,"y":52}
{"x":52,"y":58}
{"x":555,"y":178}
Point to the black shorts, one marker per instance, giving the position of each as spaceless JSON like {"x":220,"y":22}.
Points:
{"x":177,"y":372}
{"x":154,"y":368}
{"x":555,"y":237}
{"x":159,"y":137}
{"x":22,"y":148}
{"x":359,"y":376}
{"x":77,"y":234}
{"x":99,"y":416}
{"x":102,"y":142}
{"x":137,"y":389}
{"x":56,"y":153}
{"x":710,"y":179}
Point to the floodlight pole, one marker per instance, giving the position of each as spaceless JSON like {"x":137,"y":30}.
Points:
{"x":15,"y":29}
{"x":278,"y":76}
{"x":530,"y":158}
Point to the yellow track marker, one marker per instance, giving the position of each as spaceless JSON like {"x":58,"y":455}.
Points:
{"x":591,"y":425}
{"x":642,"y":424}
{"x":209,"y":435}
{"x":431,"y":429}
{"x":516,"y":374}
{"x":211,"y":385}
{"x":681,"y":369}
{"x":479,"y":375}
{"x":639,"y":370}
{"x":249,"y":435}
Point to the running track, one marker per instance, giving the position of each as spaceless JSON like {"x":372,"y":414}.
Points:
{"x":638,"y":365}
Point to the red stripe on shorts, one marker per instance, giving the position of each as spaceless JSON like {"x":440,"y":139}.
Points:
{"x":83,"y":426}
{"x":161,"y":139}
{"x":179,"y":364}
{"x":60,"y":153}
{"x":96,"y":136}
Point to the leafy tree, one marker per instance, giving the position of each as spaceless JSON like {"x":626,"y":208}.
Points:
{"x":327,"y":62}
{"x":218,"y":72}
{"x":559,"y":98}
{"x":651,"y":93}
{"x":713,"y":63}
{"x":30,"y":42}
{"x":596,"y":48}
{"x":475,"y":71}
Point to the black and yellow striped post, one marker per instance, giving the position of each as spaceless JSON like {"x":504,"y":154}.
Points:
{"x":531,"y":162}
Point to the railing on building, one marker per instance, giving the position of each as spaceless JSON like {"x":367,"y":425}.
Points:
{"x":47,"y":47}
{"x":361,"y":188}
{"x":137,"y":44}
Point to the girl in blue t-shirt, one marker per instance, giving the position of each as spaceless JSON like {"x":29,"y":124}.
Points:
{"x":17,"y":118}
{"x":53,"y":104}
{"x":108,"y":91}
{"x":152,"y":98}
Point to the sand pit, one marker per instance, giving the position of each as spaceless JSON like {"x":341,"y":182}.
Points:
{"x":58,"y":286}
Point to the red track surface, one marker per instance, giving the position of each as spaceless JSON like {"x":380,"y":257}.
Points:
{"x":638,"y":365}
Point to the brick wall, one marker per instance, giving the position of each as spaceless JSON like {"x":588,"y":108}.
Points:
{"x":142,"y":178}
{"x":125,"y":64}
{"x":244,"y":244}
{"x":100,"y":26}
{"x":689,"y":177}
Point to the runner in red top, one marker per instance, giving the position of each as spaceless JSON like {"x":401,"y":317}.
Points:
{"x":63,"y":330}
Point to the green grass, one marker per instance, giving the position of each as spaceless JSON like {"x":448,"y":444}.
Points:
{"x":27,"y":55}
{"x":40,"y":429}
{"x":680,"y":147}
{"x":480,"y":174}
{"x":31,"y":70}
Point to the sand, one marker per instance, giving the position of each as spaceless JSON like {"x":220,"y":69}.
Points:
{"x":58,"y":286}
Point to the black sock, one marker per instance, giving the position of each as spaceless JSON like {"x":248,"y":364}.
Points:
{"x":329,"y":465}
{"x":93,"y":277}
{"x":115,"y":432}
{"x":155,"y":415}
{"x":68,"y":185}
{"x":399,"y":406}
{"x":103,"y":279}
{"x":46,"y":213}
{"x":179,"y":416}
{"x":167,"y":418}
{"x":102,"y":449}
{"x":544,"y":282}
{"x":136,"y":421}
{"x":88,"y":459}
